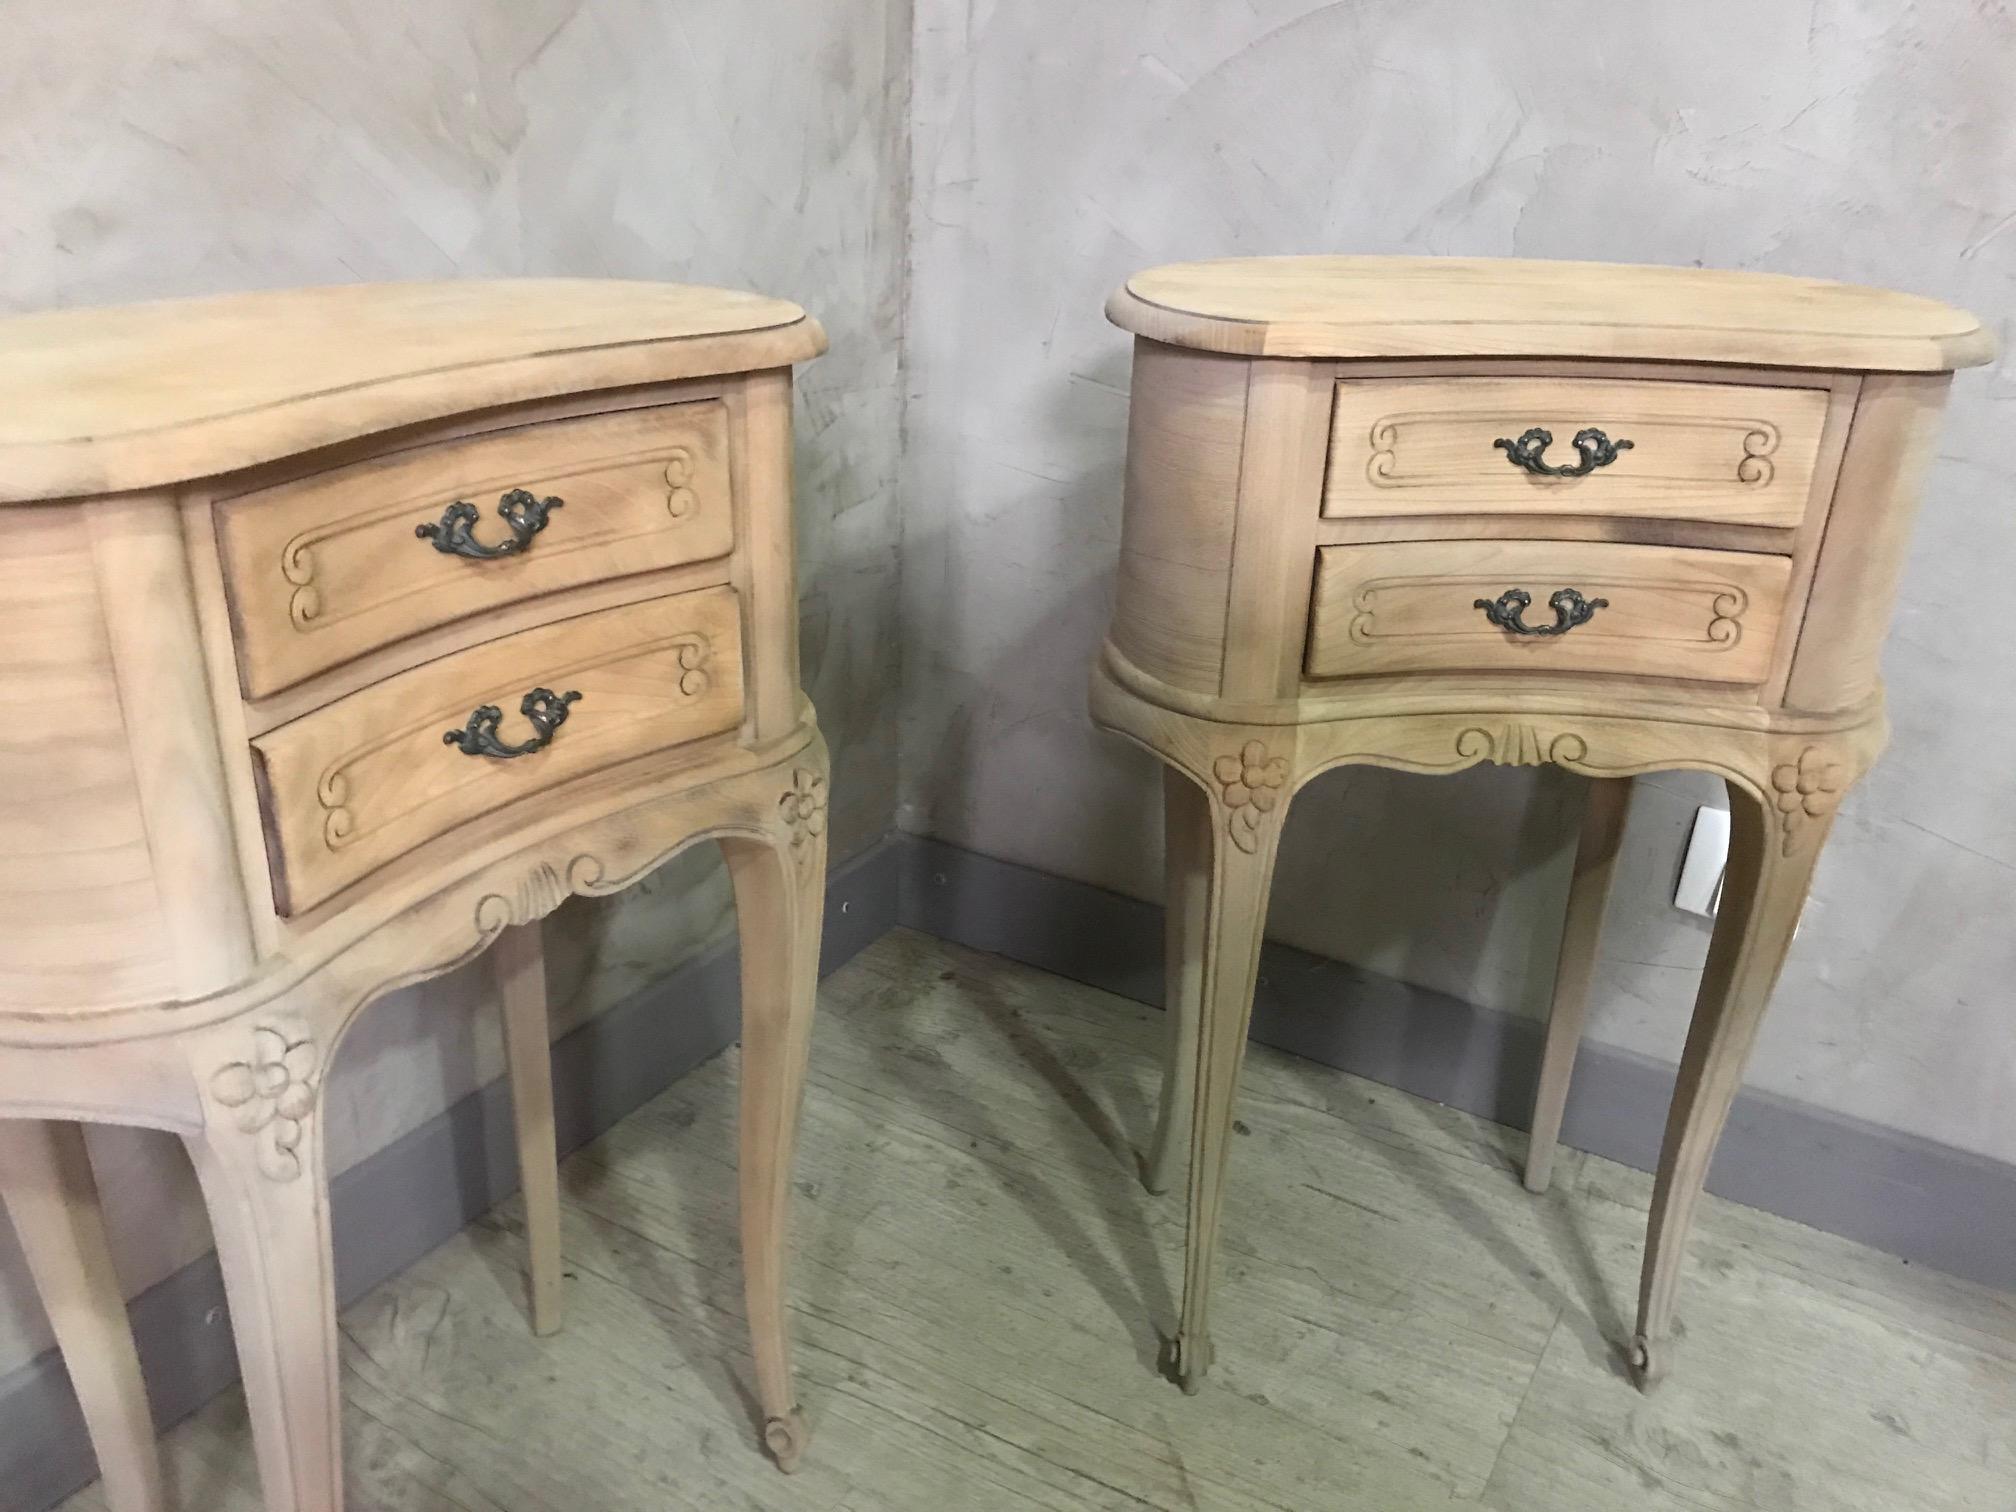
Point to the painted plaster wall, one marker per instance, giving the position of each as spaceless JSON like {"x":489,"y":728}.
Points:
{"x":151,"y":148}
{"x":1060,"y":146}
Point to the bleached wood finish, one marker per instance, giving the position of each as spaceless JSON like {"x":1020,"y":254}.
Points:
{"x":1186,"y":895}
{"x":1721,"y":452}
{"x":222,"y":838}
{"x":73,"y":833}
{"x":519,"y":959}
{"x":1606,"y":805}
{"x":328,"y":567}
{"x":1505,"y":307}
{"x":1411,"y":606}
{"x":102,"y":400}
{"x":351,"y":786}
{"x":51,"y":1197}
{"x":1183,"y":454}
{"x":1747,"y":544}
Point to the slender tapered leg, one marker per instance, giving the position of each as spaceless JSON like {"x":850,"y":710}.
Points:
{"x":1771,"y":858}
{"x":780,"y":893}
{"x":267,"y":1188}
{"x":1246,"y":806}
{"x":1606,"y":803}
{"x":520,"y":963}
{"x":1186,"y":842}
{"x":45,"y":1178}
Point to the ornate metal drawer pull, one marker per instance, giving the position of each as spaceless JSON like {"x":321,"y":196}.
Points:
{"x":1596,"y":450}
{"x":518,"y":509}
{"x":546,"y":709}
{"x":1570,"y":609}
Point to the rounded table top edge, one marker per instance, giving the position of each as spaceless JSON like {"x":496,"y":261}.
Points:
{"x":1552,"y":310}
{"x":696,"y":333}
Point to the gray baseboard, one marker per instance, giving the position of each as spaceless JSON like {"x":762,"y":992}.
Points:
{"x":1927,"y":1202}
{"x":394,"y":1206}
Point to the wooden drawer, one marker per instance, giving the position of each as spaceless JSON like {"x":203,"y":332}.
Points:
{"x":1735,"y":454}
{"x":325,"y":568}
{"x":348,"y":787}
{"x":1411,"y":606}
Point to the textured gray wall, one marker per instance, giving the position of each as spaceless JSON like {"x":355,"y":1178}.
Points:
{"x":164,"y":147}
{"x":1060,"y":146}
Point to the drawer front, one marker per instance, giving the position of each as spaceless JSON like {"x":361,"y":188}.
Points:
{"x":1740,"y":455}
{"x":1411,"y":606}
{"x":323,"y":569}
{"x":367,"y":778}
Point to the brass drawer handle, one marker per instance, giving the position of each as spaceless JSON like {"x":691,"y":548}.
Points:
{"x":524,"y":514}
{"x":546,"y":709}
{"x":1570,"y":609}
{"x":1596,"y":450}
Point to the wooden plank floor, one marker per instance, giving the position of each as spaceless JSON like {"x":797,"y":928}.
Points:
{"x":980,"y":1283}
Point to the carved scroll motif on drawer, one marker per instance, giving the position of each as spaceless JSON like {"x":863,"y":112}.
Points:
{"x":1421,"y":606}
{"x":369,"y":777}
{"x":326,"y":568}
{"x":1728,"y":453}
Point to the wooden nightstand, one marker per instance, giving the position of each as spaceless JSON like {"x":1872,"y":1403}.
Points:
{"x":1425,"y":513}
{"x":342,"y":633}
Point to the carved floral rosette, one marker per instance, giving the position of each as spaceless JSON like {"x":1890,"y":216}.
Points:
{"x":271,"y":1095}
{"x":1805,"y":789}
{"x":1251,"y":786}
{"x":803,"y":806}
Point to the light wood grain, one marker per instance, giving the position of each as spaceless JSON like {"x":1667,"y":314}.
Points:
{"x":349,"y":787}
{"x":1251,"y":778}
{"x":519,"y":961}
{"x":1606,"y":804}
{"x":1186,"y":901}
{"x":52,"y":1199}
{"x":780,"y":898}
{"x":1771,"y":540}
{"x":1890,"y":448}
{"x":73,"y":838}
{"x":102,"y":400}
{"x":1725,"y":453}
{"x":323,"y":569}
{"x":146,"y":596}
{"x":273,"y":1245}
{"x":765,"y":570}
{"x":1411,"y":607}
{"x":1183,"y":457}
{"x":1467,"y":307}
{"x":1281,"y":461}
{"x":1772,"y":851}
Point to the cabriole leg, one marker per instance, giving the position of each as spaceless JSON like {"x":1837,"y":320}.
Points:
{"x":1186,"y":842}
{"x":1606,"y":803}
{"x":780,"y":893}
{"x":519,"y":958}
{"x":1772,"y":851}
{"x":264,"y":1180}
{"x":45,"y":1178}
{"x":1248,"y":799}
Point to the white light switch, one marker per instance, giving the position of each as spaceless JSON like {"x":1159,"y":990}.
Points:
{"x":1700,"y":889}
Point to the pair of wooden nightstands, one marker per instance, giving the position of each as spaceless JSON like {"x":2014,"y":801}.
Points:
{"x":293,"y":716}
